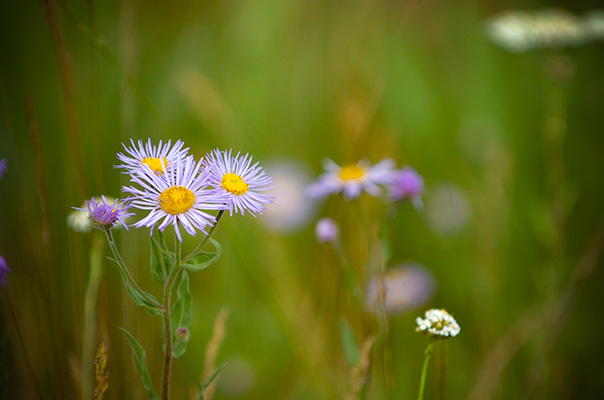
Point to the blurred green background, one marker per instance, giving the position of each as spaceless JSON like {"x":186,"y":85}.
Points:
{"x":510,"y":146}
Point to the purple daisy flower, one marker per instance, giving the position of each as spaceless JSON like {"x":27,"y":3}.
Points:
{"x":407,"y":184}
{"x":104,"y":215}
{"x":159,"y":158}
{"x":352,"y":179}
{"x":2,"y":166}
{"x":178,"y":197}
{"x":239,"y":180}
{"x":4,"y":269}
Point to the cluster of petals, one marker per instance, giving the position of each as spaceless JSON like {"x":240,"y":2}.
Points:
{"x":176,"y":190}
{"x":437,"y":323}
{"x":354,"y":179}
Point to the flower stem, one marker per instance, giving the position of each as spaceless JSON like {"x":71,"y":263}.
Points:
{"x":422,"y":381}
{"x":125,"y":273}
{"x":167,"y":322}
{"x":204,"y":241}
{"x":168,"y":287}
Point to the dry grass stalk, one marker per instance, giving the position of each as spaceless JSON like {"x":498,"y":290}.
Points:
{"x":100,"y":363}
{"x":358,"y":373}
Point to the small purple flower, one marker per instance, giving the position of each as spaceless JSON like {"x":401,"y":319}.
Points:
{"x":4,"y":269}
{"x":407,"y":184}
{"x":327,"y":230}
{"x":178,"y":197}
{"x":2,"y":167}
{"x":240,"y":180}
{"x":351,"y":179}
{"x":104,"y":215}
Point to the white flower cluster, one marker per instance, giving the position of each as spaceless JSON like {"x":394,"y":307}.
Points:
{"x":437,"y":323}
{"x":519,"y":31}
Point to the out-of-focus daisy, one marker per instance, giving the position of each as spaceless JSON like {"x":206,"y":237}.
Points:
{"x":407,"y":184}
{"x":519,"y":31}
{"x":4,"y":269}
{"x":438,"y":323}
{"x":179,"y":197}
{"x":239,"y":180}
{"x":2,"y":167}
{"x":352,"y":179}
{"x":104,"y":214}
{"x":326,"y":230}
{"x":448,"y":209}
{"x":407,"y":286}
{"x":159,"y":158}
{"x":291,"y":208}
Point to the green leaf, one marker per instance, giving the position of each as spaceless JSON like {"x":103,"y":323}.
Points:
{"x":141,"y":367}
{"x":162,"y":260}
{"x":204,"y":386}
{"x":181,"y":315}
{"x":204,"y":259}
{"x":138,"y":299}
{"x":349,"y":343}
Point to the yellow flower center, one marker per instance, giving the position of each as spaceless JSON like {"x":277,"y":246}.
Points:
{"x":234,"y":183}
{"x":176,"y":200}
{"x":155,"y":164}
{"x":351,"y":173}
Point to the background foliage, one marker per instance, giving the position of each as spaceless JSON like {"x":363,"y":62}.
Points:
{"x":302,"y":80}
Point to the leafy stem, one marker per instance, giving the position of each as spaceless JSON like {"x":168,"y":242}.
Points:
{"x":124,"y":270}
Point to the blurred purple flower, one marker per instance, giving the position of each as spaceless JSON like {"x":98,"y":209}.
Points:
{"x":2,"y":166}
{"x":4,"y":269}
{"x":327,"y":230}
{"x":406,"y":183}
{"x":407,"y":286}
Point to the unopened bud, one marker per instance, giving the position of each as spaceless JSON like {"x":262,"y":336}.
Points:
{"x":182,"y":334}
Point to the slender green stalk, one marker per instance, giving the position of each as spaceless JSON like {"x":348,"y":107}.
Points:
{"x":168,"y":287}
{"x":422,"y":381}
{"x":125,"y":271}
{"x":167,"y":321}
{"x":204,"y":241}
{"x":351,"y":279}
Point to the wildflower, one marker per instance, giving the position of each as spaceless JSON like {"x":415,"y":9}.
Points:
{"x":103,"y":215}
{"x":407,"y":286}
{"x":352,"y":179}
{"x":179,"y":197}
{"x":437,"y":323}
{"x":2,"y":167}
{"x":519,"y":31}
{"x":4,"y":269}
{"x":407,"y":184}
{"x":291,"y":208}
{"x":326,"y":230}
{"x":159,"y":158}
{"x":239,"y":180}
{"x":448,"y":209}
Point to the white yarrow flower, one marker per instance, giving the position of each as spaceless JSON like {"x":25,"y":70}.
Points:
{"x":437,"y":323}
